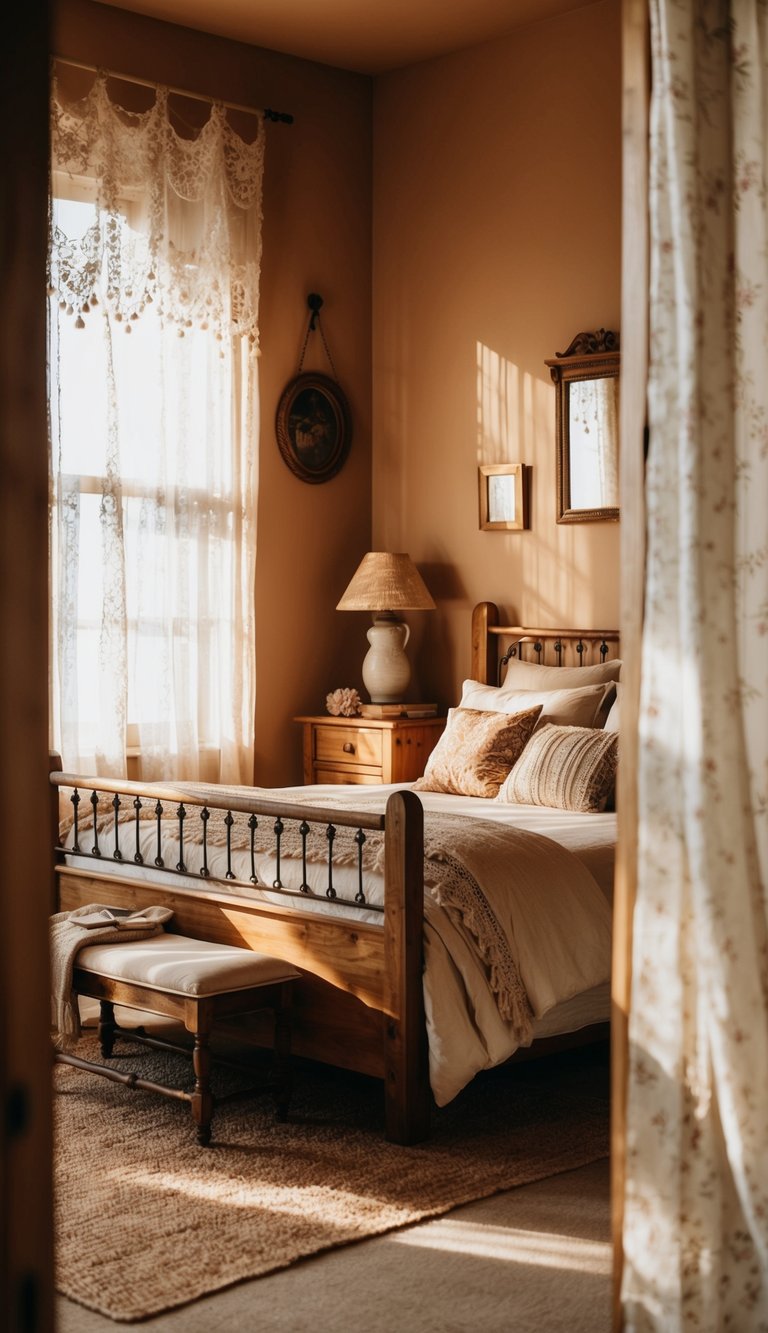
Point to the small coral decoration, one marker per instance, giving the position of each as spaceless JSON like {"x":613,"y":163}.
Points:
{"x":343,"y":703}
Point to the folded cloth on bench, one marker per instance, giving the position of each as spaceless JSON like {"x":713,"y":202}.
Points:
{"x":95,"y":923}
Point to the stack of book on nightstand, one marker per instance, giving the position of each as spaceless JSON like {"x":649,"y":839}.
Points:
{"x":399,"y":710}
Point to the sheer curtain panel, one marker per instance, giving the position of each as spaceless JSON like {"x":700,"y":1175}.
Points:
{"x":155,"y":249}
{"x":696,"y":1206}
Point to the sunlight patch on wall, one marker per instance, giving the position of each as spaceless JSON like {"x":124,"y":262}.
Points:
{"x":499,"y":399}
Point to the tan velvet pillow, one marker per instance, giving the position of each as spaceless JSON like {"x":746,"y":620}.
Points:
{"x":532,"y":676}
{"x":476,"y":751}
{"x":571,"y":768}
{"x":584,"y":707}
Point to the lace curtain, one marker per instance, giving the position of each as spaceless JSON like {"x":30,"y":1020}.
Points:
{"x":155,"y":248}
{"x":696,"y":1219}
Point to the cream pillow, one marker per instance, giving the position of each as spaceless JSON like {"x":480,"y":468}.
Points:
{"x":476,"y":751}
{"x":585,"y":707}
{"x":571,"y":768}
{"x":612,"y":720}
{"x":532,"y":676}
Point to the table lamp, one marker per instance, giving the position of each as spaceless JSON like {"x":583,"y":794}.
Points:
{"x":386,"y":584}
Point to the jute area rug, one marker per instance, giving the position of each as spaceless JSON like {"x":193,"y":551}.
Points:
{"x":147,"y":1220}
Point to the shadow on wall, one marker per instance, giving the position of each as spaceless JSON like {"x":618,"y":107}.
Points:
{"x":433,"y":643}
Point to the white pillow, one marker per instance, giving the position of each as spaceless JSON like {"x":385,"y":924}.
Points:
{"x":612,"y":720}
{"x":585,"y":707}
{"x":532,"y":676}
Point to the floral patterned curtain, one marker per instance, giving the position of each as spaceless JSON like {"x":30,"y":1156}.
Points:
{"x":696,"y":1205}
{"x":153,"y":438}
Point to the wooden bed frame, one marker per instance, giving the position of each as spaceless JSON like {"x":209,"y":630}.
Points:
{"x":360,"y":1002}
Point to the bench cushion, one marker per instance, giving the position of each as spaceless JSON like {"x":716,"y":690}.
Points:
{"x":182,"y":966}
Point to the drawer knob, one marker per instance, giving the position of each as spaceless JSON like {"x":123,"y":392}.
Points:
{"x":348,"y":747}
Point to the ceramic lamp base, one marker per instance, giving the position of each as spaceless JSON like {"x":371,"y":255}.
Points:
{"x":386,"y":670}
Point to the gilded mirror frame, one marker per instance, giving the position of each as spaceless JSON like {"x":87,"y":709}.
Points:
{"x":590,"y":356}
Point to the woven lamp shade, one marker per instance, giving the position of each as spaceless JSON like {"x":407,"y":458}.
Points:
{"x":386,"y":582}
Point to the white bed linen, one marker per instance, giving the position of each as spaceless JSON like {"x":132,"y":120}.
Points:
{"x":465,"y":1028}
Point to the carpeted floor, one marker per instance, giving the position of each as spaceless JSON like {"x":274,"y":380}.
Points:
{"x":536,"y":1259}
{"x":147,"y":1220}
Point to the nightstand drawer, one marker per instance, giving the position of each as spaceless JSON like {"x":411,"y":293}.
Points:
{"x":358,"y":776}
{"x":347,"y":745}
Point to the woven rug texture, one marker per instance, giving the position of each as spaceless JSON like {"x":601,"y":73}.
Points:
{"x":147,"y":1220}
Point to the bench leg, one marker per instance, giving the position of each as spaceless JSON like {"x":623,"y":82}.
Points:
{"x":107,"y":1027}
{"x":202,"y":1097}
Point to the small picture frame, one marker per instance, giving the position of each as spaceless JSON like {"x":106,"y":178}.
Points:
{"x":503,"y":497}
{"x":313,"y":426}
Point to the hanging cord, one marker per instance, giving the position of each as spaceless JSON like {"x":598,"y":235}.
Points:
{"x":314,"y":302}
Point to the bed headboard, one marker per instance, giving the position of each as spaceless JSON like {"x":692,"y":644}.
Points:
{"x":494,"y":644}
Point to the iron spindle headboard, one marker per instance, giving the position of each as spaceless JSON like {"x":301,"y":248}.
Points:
{"x":494,"y":645}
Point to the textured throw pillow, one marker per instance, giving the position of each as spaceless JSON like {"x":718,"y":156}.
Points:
{"x":571,"y":768}
{"x":476,"y":751}
{"x":585,"y":707}
{"x":532,"y":676}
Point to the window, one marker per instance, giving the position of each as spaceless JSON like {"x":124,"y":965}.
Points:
{"x":153,"y":479}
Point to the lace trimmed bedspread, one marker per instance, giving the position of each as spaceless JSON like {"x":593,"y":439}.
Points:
{"x":509,"y":914}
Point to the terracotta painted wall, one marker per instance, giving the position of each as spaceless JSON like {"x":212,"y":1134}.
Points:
{"x":317,"y":238}
{"x":497,"y":218}
{"x":492,"y":237}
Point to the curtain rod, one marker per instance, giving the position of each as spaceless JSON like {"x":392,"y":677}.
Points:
{"x":283,"y":117}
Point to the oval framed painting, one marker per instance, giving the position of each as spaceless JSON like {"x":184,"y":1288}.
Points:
{"x":314,"y":427}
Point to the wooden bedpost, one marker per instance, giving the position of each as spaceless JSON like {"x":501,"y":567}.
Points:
{"x":484,"y":647}
{"x":406,"y":1079}
{"x":54,"y":766}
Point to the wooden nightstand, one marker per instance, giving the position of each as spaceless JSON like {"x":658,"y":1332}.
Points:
{"x":366,"y":749}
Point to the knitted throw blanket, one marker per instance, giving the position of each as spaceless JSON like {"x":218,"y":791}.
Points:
{"x":95,"y":923}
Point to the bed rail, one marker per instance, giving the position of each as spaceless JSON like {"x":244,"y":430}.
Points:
{"x":105,"y":829}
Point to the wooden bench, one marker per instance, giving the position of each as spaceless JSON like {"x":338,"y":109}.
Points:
{"x":196,"y":983}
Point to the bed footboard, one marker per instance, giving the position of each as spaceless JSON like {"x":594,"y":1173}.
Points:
{"x":360,"y":1003}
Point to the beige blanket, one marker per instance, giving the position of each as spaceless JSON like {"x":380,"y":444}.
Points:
{"x":96,"y":923}
{"x":536,"y":896}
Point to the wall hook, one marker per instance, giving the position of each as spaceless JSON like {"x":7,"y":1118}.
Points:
{"x":314,"y":302}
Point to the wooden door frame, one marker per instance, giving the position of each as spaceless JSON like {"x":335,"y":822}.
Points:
{"x":634,"y":376}
{"x":26,"y":1215}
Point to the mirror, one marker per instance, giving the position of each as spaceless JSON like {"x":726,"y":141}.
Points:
{"x":586,"y":377}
